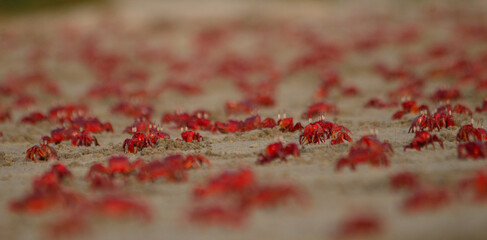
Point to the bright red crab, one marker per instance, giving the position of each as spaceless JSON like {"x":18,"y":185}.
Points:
{"x":318,"y":109}
{"x":422,"y":139}
{"x":189,"y":136}
{"x":278,"y":151}
{"x":367,"y":150}
{"x":138,"y":142}
{"x":121,"y":206}
{"x":469,"y":132}
{"x":137,"y":110}
{"x":287,"y":125}
{"x":140,"y":125}
{"x":66,"y":113}
{"x":319,"y":131}
{"x":61,"y":134}
{"x":156,"y":133}
{"x":41,"y":152}
{"x":84,"y":138}
{"x":473,"y":150}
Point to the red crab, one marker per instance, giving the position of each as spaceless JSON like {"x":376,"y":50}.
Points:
{"x":121,"y":206}
{"x":469,"y":132}
{"x":138,"y":142}
{"x":482,"y":108}
{"x":156,"y":133}
{"x":359,"y":225}
{"x":444,"y":94}
{"x":426,"y":199}
{"x":422,"y":139}
{"x":92,"y":125}
{"x":189,"y":136}
{"x":320,"y":131}
{"x":116,"y":164}
{"x":66,"y":113}
{"x":34,"y":118}
{"x":409,"y":106}
{"x":137,"y":110}
{"x":172,"y":168}
{"x":278,"y":150}
{"x":473,"y":150}
{"x":460,"y":109}
{"x":41,"y":152}
{"x":287,"y":124}
{"x":195,"y":121}
{"x":319,"y":109}
{"x":193,"y":161}
{"x":61,"y":134}
{"x":140,"y":125}
{"x":431,"y":122}
{"x":225,"y":183}
{"x":378,"y":103}
{"x":84,"y":138}
{"x":368,"y":149}
{"x":404,"y":180}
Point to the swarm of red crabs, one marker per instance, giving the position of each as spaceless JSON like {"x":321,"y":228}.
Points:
{"x":421,"y":112}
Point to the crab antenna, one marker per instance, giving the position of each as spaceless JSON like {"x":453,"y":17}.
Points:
{"x":186,"y":129}
{"x":278,"y":116}
{"x":376,"y":131}
{"x":284,"y":115}
{"x":134,"y":129}
{"x":310,"y":120}
{"x":182,"y":129}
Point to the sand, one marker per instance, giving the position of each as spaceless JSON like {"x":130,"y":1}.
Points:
{"x":334,"y":195}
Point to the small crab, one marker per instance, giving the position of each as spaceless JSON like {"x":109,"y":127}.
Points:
{"x":482,"y":108}
{"x":194,"y":161}
{"x":138,"y":142}
{"x":156,"y":133}
{"x":171,"y":168}
{"x":473,"y":150}
{"x":140,"y":125}
{"x":320,"y":131}
{"x":189,"y":136}
{"x":34,"y":117}
{"x":226,"y":183}
{"x":84,"y":138}
{"x":368,"y":149}
{"x":278,"y":150}
{"x":92,"y":125}
{"x":61,"y":134}
{"x":287,"y":124}
{"x":319,"y":109}
{"x":41,"y":152}
{"x":444,"y":94}
{"x":469,"y":132}
{"x":422,"y":139}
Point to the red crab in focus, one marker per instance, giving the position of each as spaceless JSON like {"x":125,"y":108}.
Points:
{"x":368,"y":149}
{"x":318,"y":109}
{"x":271,"y":195}
{"x":138,"y":142}
{"x":84,"y":138}
{"x":287,"y":125}
{"x":469,"y":132}
{"x":446,"y":94}
{"x":278,"y":150}
{"x":422,"y":139}
{"x":473,"y":150}
{"x":34,"y":118}
{"x":41,"y":152}
{"x":189,"y":136}
{"x":359,"y":225}
{"x":92,"y":125}
{"x":404,"y":180}
{"x":320,"y":131}
{"x":426,"y":199}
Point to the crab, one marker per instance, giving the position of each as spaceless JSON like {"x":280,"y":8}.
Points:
{"x":84,"y":138}
{"x":320,"y":131}
{"x":92,"y":125}
{"x":368,"y":149}
{"x":378,"y":103}
{"x":473,"y":150}
{"x":61,"y":134}
{"x":41,"y":152}
{"x":444,"y":94}
{"x":138,"y":110}
{"x":319,"y":109}
{"x":66,"y":113}
{"x":121,"y":206}
{"x":287,"y":124}
{"x":359,"y":225}
{"x":33,"y":118}
{"x":172,"y":168}
{"x":426,"y":199}
{"x":140,"y":125}
{"x":189,"y":136}
{"x":404,"y":180}
{"x":278,"y":150}
{"x":193,"y":161}
{"x":198,"y":120}
{"x":422,"y":139}
{"x":138,"y":142}
{"x":156,"y":133}
{"x":477,"y":184}
{"x":225,"y":183}
{"x":468,"y":132}
{"x":482,"y":108}
{"x":409,"y":106}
